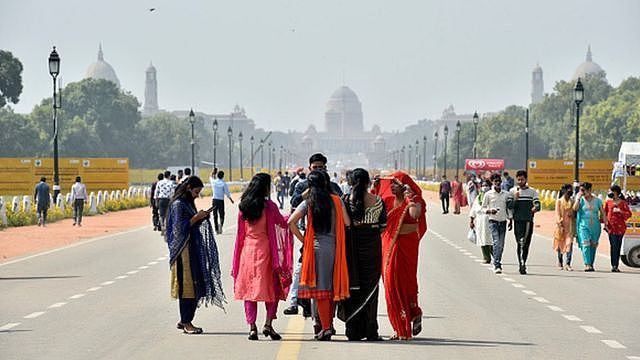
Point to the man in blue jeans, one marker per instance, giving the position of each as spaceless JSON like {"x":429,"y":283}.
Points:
{"x":494,"y":204}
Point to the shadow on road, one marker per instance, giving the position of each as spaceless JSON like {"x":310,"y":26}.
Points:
{"x":39,"y":277}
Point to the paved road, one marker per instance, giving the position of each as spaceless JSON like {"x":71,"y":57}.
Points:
{"x":108,"y":299}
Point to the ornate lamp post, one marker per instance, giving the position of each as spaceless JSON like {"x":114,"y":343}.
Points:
{"x":230,"y":135}
{"x":435,"y":154}
{"x":578,"y":97}
{"x":241,"y":165}
{"x":395,"y":159}
{"x":446,"y":133}
{"x":281,"y":152}
{"x":409,"y":159}
{"x":475,"y":132}
{"x":192,"y":121}
{"x":424,"y":156}
{"x":215,"y":141}
{"x":458,"y":129}
{"x":417,"y":158}
{"x":251,"y":140}
{"x":54,"y":70}
{"x":402,"y":157}
{"x":261,"y":154}
{"x":270,"y":155}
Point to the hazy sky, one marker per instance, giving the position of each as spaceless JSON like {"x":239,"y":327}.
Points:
{"x":281,"y":59}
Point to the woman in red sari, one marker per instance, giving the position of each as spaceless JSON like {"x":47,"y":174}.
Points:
{"x":458,"y":196}
{"x":406,"y":224}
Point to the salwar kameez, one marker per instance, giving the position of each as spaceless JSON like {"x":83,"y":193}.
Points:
{"x":588,"y":228}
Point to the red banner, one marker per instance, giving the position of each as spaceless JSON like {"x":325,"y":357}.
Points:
{"x":484,"y":164}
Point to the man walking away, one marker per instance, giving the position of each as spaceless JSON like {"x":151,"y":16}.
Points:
{"x":220,"y":189}
{"x":42,"y":199}
{"x":508,"y":183}
{"x":280,"y":189}
{"x":162,"y":194}
{"x":524,"y":203}
{"x":494,"y":204}
{"x":287,"y":182}
{"x":445,"y":193}
{"x":78,"y":198}
{"x":155,"y":215}
{"x":187,"y":173}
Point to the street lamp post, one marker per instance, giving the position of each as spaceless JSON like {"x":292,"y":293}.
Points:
{"x":192,"y":120}
{"x":475,"y":133}
{"x":446,"y":133}
{"x":270,"y":155}
{"x":424,"y":156}
{"x":280,"y":163}
{"x":230,"y":135}
{"x":417,"y":158}
{"x":395,"y":159}
{"x":215,"y":141}
{"x":402,"y":150}
{"x":458,"y":129}
{"x":578,"y":97}
{"x":54,"y":70}
{"x":241,"y":167}
{"x":409,"y":159}
{"x":251,"y":140}
{"x":526,"y":139}
{"x":261,"y":154}
{"x":435,"y":153}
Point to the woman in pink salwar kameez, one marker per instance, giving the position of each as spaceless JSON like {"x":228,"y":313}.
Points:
{"x":262,"y":255}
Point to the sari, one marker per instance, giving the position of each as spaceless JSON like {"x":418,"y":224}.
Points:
{"x":400,"y":255}
{"x":458,"y":198}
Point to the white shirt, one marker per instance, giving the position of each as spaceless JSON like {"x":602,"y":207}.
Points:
{"x":164,"y":189}
{"x":496,"y":200}
{"x":78,"y":192}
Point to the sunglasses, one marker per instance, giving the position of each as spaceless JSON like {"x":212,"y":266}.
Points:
{"x":319,"y":167}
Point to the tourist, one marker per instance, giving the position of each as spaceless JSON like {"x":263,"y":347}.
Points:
{"x":479,"y":222}
{"x":153,"y":204}
{"x":193,"y":255}
{"x":42,"y":198}
{"x":364,"y":257}
{"x":78,"y":198}
{"x":323,"y":276}
{"x":494,"y":204}
{"x":279,"y":188}
{"x":524,"y":204}
{"x":219,"y":189}
{"x":347,"y":183}
{"x":316,"y":162}
{"x":565,"y":227}
{"x":187,"y":173}
{"x":472,"y":187}
{"x":163,"y":193}
{"x":617,"y":212}
{"x":287,"y":182}
{"x":456,"y":190}
{"x":406,"y":224}
{"x":445,"y":193}
{"x":508,"y":182}
{"x":257,"y":264}
{"x":589,"y":215}
{"x":180,"y":176}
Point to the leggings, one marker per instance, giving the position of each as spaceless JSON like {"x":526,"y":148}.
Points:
{"x":187,"y":310}
{"x":251,"y":310}
{"x":567,"y":257}
{"x":325,"y":312}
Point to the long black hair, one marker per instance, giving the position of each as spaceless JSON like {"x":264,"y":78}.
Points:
{"x":319,"y":201}
{"x":566,"y":188}
{"x":182,"y":191}
{"x":360,"y":181}
{"x":253,"y":198}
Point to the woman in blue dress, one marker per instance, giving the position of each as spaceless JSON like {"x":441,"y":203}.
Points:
{"x":589,"y":215}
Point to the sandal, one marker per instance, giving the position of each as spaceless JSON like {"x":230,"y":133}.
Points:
{"x":253,"y":334}
{"x":267,"y":330}
{"x":324,"y":335}
{"x":194,"y":331}
{"x":179,"y":326}
{"x":417,"y":325}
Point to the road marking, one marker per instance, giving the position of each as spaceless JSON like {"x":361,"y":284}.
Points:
{"x":121,"y":277}
{"x":34,"y":315}
{"x":57,"y":305}
{"x":132,"y":272}
{"x":162,"y":258}
{"x":516,"y":285}
{"x":633,"y":357}
{"x":508,"y":279}
{"x":572,"y":318}
{"x":479,"y":260}
{"x":613,"y":344}
{"x":107,"y":283}
{"x":529,"y":292}
{"x":291,"y":349}
{"x":8,"y":326}
{"x":541,"y":299}
{"x":473,"y":257}
{"x":76,"y":296}
{"x":95,"y":288}
{"x":555,"y":308}
{"x":152,"y":262}
{"x":143,"y":267}
{"x":590,"y":329}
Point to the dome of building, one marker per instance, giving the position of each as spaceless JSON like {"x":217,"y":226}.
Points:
{"x":379,"y":138}
{"x":343,"y":116}
{"x":102,"y":69}
{"x":588,"y":67}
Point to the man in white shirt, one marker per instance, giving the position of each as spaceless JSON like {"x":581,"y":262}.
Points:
{"x":494,"y":204}
{"x":164,"y":191}
{"x":78,"y":198}
{"x":219,"y":190}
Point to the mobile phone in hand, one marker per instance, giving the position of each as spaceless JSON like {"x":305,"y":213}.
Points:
{"x":209,"y":209}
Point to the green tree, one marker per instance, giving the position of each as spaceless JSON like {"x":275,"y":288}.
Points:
{"x":19,"y":136}
{"x":162,"y":140}
{"x":10,"y":78}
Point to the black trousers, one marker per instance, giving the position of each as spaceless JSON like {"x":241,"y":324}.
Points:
{"x":163,"y":209}
{"x":218,"y":213}
{"x":523,"y":231}
{"x":444,"y":198}
{"x":155,"y":216}
{"x":187,"y":310}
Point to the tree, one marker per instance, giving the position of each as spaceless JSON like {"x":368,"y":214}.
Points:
{"x":19,"y":135}
{"x":162,"y":140}
{"x":10,"y":78}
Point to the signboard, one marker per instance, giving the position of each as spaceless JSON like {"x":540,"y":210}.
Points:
{"x":20,"y":175}
{"x":484,"y":164}
{"x":552,"y":174}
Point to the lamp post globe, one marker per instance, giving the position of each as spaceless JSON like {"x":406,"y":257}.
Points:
{"x":578,"y":97}
{"x":192,"y":121}
{"x":446,"y":134}
{"x":261,"y":154}
{"x":54,"y":71}
{"x":251,"y":140}
{"x":476,"y":119}
{"x":230,"y":135}
{"x":424,"y":156}
{"x":435,"y":154}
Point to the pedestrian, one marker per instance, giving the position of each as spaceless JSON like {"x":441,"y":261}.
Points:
{"x":279,"y":188}
{"x":479,"y":222}
{"x":153,"y":204}
{"x":364,"y":258}
{"x":193,"y":255}
{"x":323,"y":276}
{"x":456,"y":190}
{"x":78,"y":198}
{"x":347,"y":183}
{"x":565,"y":227}
{"x":162,"y":194}
{"x":445,"y":193}
{"x":220,"y":189}
{"x":180,"y":176}
{"x":257,"y":262}
{"x":524,"y":204}
{"x":187,"y":173}
{"x":287,"y":182}
{"x":473,"y":186}
{"x":508,"y":182}
{"x":494,"y":204}
{"x":42,"y":198}
{"x":589,"y":215}
{"x":617,"y":212}
{"x":406,"y":224}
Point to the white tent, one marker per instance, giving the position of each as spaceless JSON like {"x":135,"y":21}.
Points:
{"x":629,"y":155}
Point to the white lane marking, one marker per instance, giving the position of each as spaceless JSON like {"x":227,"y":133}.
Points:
{"x":162,"y":258}
{"x":152,"y":262}
{"x":508,"y":279}
{"x":630,"y":357}
{"x":555,"y":308}
{"x":8,"y":326}
{"x":143,"y":267}
{"x":613,"y":344}
{"x":473,"y":256}
{"x":57,"y":305}
{"x":572,"y":318}
{"x":76,"y":296}
{"x":590,"y":329}
{"x":516,"y":285}
{"x":34,"y":315}
{"x":107,"y":283}
{"x":95,"y":288}
{"x":132,"y":272}
{"x":529,"y":292}
{"x":479,"y":260}
{"x":541,"y":299}
{"x":121,"y":277}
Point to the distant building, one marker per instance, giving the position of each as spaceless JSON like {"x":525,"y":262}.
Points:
{"x":102,"y":69}
{"x":150,"y":92}
{"x":537,"y":85}
{"x":588,"y":67}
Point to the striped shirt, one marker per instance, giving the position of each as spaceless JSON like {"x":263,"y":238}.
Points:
{"x":521,"y":205}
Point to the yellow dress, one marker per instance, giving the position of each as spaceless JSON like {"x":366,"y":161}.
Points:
{"x":188,"y":291}
{"x":563,"y":235}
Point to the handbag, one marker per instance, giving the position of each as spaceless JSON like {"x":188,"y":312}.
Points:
{"x":285,"y":278}
{"x":471,"y":236}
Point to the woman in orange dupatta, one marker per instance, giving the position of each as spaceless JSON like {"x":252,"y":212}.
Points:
{"x":324,"y":275}
{"x":406,"y":224}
